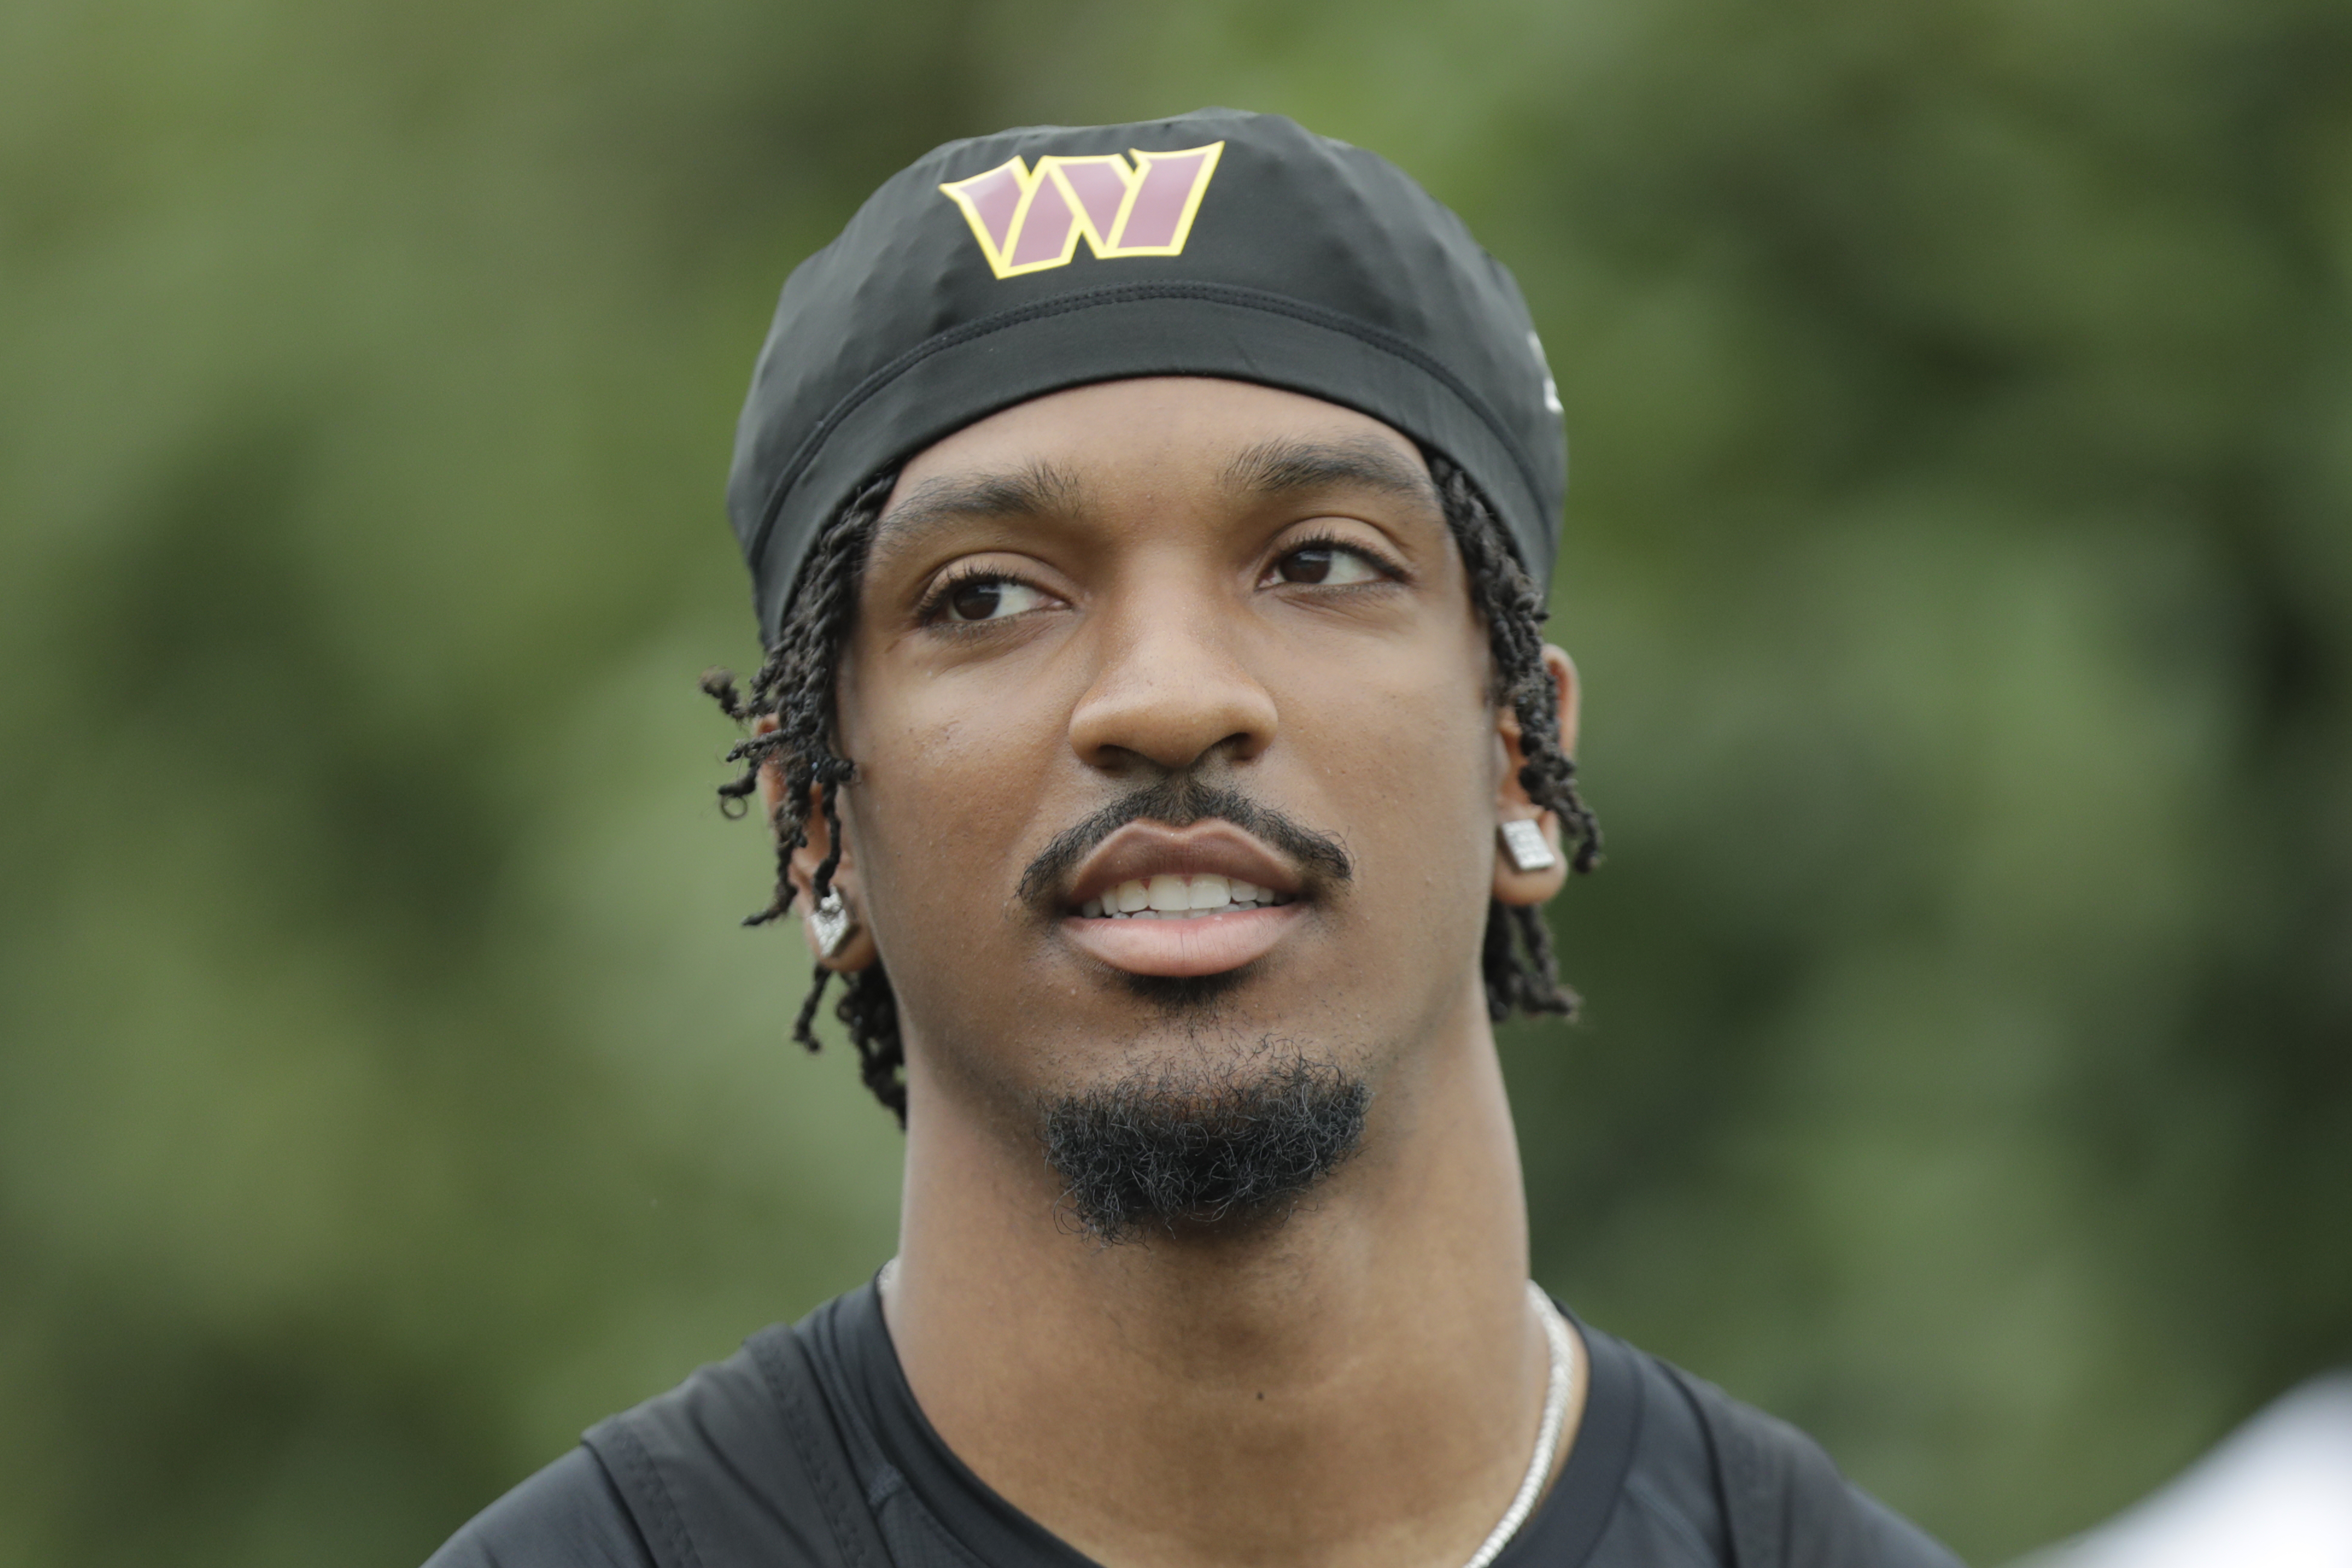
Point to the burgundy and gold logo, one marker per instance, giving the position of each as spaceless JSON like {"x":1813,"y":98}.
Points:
{"x":1027,"y":220}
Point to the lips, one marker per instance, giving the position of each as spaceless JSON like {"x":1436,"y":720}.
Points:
{"x":1180,"y":901}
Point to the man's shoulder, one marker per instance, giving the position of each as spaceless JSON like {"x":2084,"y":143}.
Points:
{"x":737,"y":1464}
{"x":621,"y":1499}
{"x":568,"y":1515}
{"x":1785,"y":1501}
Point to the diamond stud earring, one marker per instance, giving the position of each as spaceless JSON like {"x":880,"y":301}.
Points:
{"x":831,"y":923}
{"x":1524,"y":843}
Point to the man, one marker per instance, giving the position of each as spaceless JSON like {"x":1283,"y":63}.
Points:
{"x":1148,"y":526}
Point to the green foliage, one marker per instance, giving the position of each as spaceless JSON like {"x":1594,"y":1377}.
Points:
{"x":1958,"y":560}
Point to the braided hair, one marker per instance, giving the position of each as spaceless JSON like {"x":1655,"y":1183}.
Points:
{"x":794,"y":694}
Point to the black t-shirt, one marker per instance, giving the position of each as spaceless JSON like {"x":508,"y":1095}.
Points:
{"x":1640,"y":1488}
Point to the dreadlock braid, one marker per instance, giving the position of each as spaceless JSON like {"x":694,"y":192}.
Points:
{"x":1522,"y":975}
{"x":794,"y":690}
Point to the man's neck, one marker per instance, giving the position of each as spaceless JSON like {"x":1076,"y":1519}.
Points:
{"x":1356,"y":1385}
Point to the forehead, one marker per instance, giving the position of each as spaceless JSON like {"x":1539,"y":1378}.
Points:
{"x":1156,"y":438}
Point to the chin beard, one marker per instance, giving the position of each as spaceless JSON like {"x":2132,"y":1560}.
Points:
{"x":1221,"y":1146}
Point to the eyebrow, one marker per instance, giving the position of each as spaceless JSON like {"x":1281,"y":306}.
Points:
{"x":1038,"y":490}
{"x":1269,"y":469}
{"x":1283,"y":467}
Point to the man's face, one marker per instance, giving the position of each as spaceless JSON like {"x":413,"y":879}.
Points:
{"x":1198,"y":635}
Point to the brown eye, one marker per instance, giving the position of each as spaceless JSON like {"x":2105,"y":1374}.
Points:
{"x":989,"y":599}
{"x":1326,"y":565}
{"x":975,"y":601}
{"x":1312,"y":564}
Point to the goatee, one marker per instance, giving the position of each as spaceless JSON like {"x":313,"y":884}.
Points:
{"x":1229,"y":1145}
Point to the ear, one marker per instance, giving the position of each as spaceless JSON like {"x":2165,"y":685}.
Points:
{"x":1513,"y":886}
{"x":858,"y":951}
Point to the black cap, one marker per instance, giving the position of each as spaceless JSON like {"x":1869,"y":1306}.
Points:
{"x":1216,"y":243}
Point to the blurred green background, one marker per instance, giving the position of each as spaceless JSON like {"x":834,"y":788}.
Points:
{"x":1958,"y":558}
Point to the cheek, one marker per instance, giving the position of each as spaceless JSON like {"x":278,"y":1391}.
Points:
{"x":1410,"y":744}
{"x":945,"y":789}
{"x":1397,"y":757}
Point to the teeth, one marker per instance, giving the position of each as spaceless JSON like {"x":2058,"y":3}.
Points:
{"x":1170,"y":897}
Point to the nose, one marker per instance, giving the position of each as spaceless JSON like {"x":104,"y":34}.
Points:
{"x":1172,"y":688}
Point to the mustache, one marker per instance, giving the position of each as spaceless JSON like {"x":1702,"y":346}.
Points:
{"x":1180,"y":801}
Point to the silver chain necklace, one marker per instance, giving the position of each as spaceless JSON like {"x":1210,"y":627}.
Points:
{"x":1554,"y":1416}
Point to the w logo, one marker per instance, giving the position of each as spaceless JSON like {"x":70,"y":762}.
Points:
{"x":1028,"y":220}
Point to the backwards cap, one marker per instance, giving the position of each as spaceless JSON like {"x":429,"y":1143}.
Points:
{"x":1217,"y":243}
